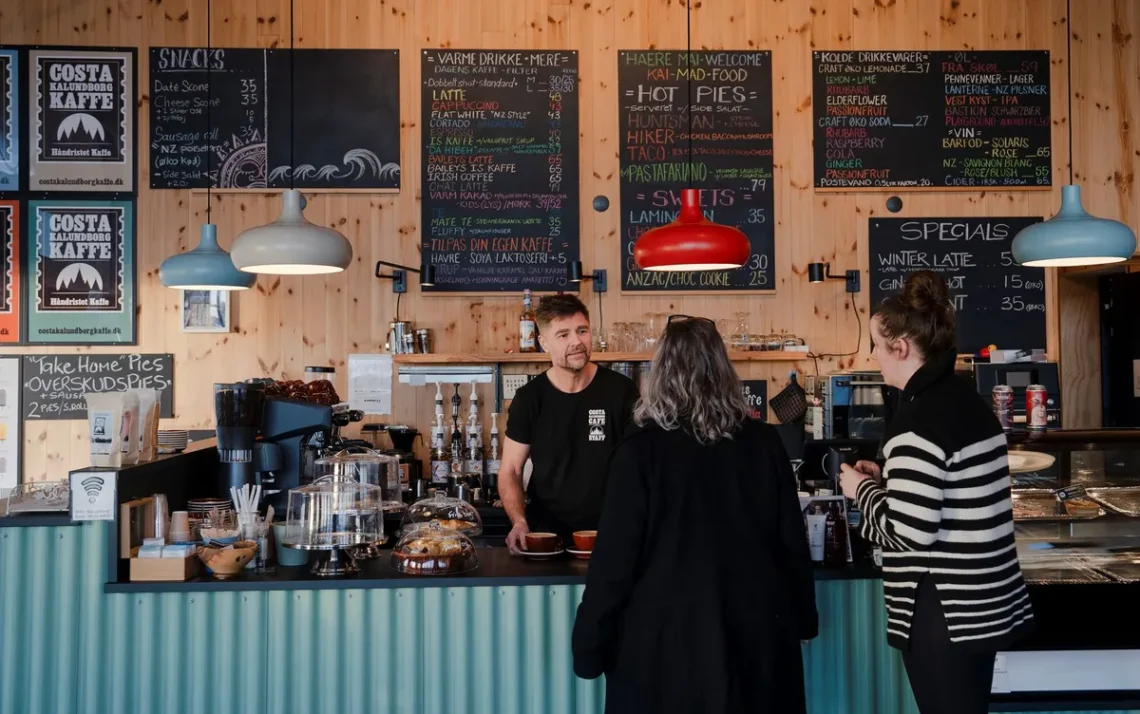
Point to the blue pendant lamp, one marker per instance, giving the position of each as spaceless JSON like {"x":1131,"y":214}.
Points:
{"x":1073,"y":237}
{"x":207,"y":267}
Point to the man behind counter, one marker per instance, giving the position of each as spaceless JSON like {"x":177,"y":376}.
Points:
{"x":567,"y":420}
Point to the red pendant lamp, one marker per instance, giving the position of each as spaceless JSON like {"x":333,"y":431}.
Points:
{"x":691,"y":242}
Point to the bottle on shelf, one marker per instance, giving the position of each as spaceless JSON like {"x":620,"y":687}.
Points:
{"x":440,"y":457}
{"x":528,"y":328}
{"x":474,"y":466}
{"x":491,"y":472}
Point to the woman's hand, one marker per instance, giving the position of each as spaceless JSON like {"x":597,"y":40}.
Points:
{"x":850,"y":479}
{"x":870,"y":468}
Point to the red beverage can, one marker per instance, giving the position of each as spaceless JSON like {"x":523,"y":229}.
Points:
{"x":1003,"y":405}
{"x":1036,"y":414}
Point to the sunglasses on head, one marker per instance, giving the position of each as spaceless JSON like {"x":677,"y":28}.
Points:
{"x":682,"y":318}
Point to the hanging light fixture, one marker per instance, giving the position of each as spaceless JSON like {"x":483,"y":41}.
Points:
{"x":691,"y":242}
{"x":291,"y":245}
{"x":208,"y":266}
{"x":1073,"y":237}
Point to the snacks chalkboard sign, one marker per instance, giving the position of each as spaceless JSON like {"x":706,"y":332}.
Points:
{"x":54,"y":385}
{"x":931,"y":119}
{"x":346,"y":114}
{"x":500,"y":158}
{"x":731,"y":164}
{"x":997,"y":301}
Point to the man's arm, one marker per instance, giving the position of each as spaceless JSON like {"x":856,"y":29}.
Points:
{"x":511,"y":491}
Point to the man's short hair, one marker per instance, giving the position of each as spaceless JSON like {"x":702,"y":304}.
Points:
{"x":558,"y":307}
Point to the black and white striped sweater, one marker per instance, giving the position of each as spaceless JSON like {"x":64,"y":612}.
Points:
{"x":945,"y":513}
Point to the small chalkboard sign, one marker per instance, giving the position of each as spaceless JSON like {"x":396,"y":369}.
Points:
{"x":756,"y":395}
{"x":54,"y":385}
{"x":222,"y":116}
{"x":997,"y":301}
{"x":931,"y":119}
{"x":731,"y":163}
{"x":500,"y":158}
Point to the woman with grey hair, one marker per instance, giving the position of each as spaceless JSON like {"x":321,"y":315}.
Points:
{"x":700,"y":586}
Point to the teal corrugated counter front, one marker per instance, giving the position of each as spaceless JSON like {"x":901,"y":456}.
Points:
{"x":66,"y":647}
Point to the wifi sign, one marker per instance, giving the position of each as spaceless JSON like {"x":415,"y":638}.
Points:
{"x":93,"y":485}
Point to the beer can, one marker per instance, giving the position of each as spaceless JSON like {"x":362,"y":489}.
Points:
{"x":1036,"y":414}
{"x":1003,"y":405}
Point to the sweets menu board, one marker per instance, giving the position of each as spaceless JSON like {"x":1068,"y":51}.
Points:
{"x":731,"y":162}
{"x":54,"y":385}
{"x":997,"y":301}
{"x":223,"y":116}
{"x":500,"y":157}
{"x":931,"y":119}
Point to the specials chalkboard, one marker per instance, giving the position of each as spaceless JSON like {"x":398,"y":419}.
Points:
{"x":500,"y":157}
{"x":997,"y":301}
{"x":731,"y":161}
{"x":223,"y":117}
{"x":55,"y":385}
{"x":931,"y":119}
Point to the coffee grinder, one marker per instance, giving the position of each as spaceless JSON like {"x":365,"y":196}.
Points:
{"x":238,"y":411}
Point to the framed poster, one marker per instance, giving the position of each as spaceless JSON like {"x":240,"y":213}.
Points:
{"x":9,"y":121}
{"x":10,"y":285}
{"x":205,"y":310}
{"x":11,"y":436}
{"x":81,"y":120}
{"x":81,"y":272}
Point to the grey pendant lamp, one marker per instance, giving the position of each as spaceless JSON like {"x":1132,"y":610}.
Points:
{"x":1073,"y":237}
{"x":291,"y":245}
{"x":208,"y":266}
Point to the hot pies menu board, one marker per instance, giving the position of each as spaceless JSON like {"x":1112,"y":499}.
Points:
{"x":10,"y":286}
{"x":81,"y":272}
{"x":731,"y":161}
{"x":81,"y":120}
{"x":9,"y":120}
{"x":997,"y":301}
{"x":500,"y":158}
{"x":931,"y":119}
{"x":222,"y":117}
{"x":54,"y":385}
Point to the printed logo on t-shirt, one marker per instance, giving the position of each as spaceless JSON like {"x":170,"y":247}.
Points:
{"x":597,"y":425}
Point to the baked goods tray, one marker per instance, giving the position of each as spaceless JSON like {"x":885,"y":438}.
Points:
{"x":1125,"y":501}
{"x":1041,"y":504}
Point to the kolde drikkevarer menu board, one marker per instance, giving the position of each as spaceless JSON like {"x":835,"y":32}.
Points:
{"x":500,"y":158}
{"x":731,"y":162}
{"x":997,"y":301}
{"x":931,"y":119}
{"x":224,"y":116}
{"x":55,"y":385}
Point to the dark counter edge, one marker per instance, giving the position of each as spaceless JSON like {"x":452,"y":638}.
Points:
{"x":34,"y":520}
{"x":560,"y":572}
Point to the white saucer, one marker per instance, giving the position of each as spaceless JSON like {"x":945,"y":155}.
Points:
{"x":542,"y":556}
{"x":1023,"y":462}
{"x":580,"y":554}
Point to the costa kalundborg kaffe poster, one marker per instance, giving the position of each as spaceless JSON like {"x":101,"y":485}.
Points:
{"x":81,"y":272}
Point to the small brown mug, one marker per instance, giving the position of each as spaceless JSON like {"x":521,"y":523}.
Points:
{"x":584,"y":540}
{"x":541,"y":542}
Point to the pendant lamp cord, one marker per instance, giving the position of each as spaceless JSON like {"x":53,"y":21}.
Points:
{"x":689,"y":81}
{"x":1069,"y":66}
{"x":209,"y":113}
{"x":292,"y":98}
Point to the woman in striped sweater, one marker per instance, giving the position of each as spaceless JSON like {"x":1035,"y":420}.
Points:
{"x":953,"y":587}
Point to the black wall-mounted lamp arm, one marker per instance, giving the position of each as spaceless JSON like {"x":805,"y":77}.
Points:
{"x":818,"y":272}
{"x":399,"y":276}
{"x":574,"y":274}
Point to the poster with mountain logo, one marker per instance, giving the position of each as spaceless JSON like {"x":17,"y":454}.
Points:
{"x":82,"y":272}
{"x":9,"y":121}
{"x":82,"y":120}
{"x":9,"y":272}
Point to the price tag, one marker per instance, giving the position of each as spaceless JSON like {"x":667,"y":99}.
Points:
{"x":1070,"y":492}
{"x":93,"y":496}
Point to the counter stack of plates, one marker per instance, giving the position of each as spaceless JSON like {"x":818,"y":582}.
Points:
{"x":172,"y":441}
{"x":199,"y":509}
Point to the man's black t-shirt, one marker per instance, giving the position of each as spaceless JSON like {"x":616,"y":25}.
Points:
{"x":571,"y":438}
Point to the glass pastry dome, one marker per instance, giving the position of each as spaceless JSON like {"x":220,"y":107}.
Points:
{"x":432,"y":549}
{"x":332,"y":514}
{"x":366,"y":466}
{"x":453,"y":513}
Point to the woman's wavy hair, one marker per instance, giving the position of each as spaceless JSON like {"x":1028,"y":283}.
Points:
{"x":691,"y":383}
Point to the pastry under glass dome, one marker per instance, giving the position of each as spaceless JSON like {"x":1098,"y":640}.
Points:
{"x":431,"y":549}
{"x":453,"y":513}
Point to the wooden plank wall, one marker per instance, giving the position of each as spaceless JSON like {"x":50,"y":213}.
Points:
{"x":287,"y":323}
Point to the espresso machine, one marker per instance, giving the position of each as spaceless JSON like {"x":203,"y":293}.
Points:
{"x":294,"y":434}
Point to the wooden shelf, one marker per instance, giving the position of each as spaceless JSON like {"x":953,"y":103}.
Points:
{"x":600,"y":357}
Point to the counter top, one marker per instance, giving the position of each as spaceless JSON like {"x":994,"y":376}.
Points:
{"x":31,"y":520}
{"x":496,"y":567}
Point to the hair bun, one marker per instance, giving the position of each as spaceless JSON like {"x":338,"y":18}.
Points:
{"x":925,"y":291}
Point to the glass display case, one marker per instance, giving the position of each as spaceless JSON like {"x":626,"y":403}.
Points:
{"x":332,"y":514}
{"x":452,"y":513}
{"x":432,"y":549}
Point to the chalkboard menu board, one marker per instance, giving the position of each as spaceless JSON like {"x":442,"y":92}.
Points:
{"x":731,"y":156}
{"x":500,"y":157}
{"x":998,"y":301}
{"x":347,"y":114}
{"x":931,"y":119}
{"x":55,"y":385}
